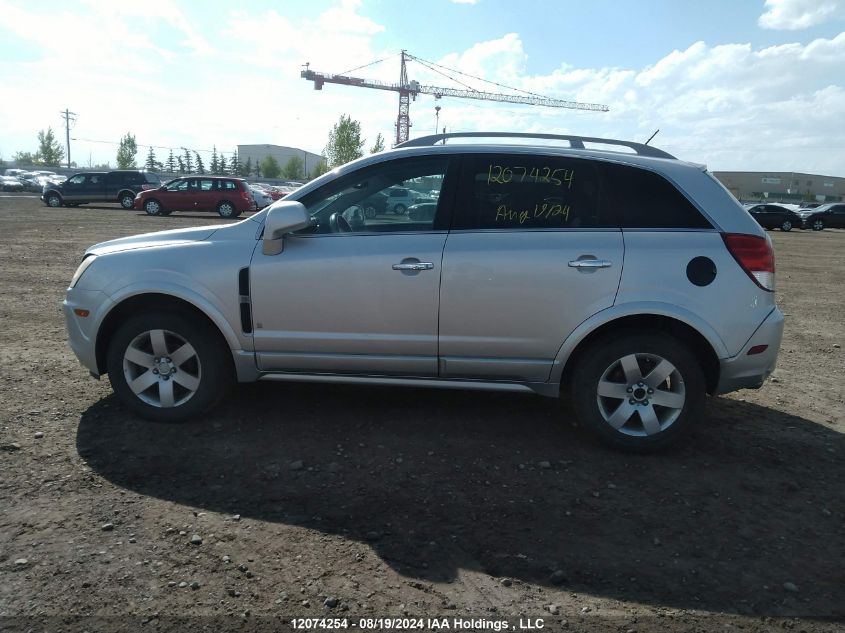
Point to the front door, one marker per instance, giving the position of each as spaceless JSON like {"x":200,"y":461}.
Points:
{"x":355,"y":294}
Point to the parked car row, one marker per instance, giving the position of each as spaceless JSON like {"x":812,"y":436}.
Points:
{"x":814,"y":216}
{"x":21,"y":180}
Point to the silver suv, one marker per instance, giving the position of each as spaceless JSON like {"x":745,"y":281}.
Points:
{"x":628,"y":279}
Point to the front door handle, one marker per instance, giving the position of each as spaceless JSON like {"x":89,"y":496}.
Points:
{"x":414,"y":266}
{"x":590,"y":264}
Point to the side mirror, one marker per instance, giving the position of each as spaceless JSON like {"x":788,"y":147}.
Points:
{"x":284,"y":217}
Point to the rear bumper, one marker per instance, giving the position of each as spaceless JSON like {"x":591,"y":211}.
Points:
{"x":749,"y":372}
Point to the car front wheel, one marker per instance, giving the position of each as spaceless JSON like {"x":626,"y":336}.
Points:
{"x":153,"y":207}
{"x":786,"y":225}
{"x":54,"y":200}
{"x":399,"y":209}
{"x":639,"y":392}
{"x":818,"y":225}
{"x":167,"y":366}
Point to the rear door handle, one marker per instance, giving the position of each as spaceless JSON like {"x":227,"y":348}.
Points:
{"x":590,"y":263}
{"x":414,"y":266}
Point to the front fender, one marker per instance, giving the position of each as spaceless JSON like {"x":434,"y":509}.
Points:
{"x":197,"y":296}
{"x":640,"y":308}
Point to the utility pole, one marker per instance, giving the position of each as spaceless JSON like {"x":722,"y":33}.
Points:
{"x":69,"y":117}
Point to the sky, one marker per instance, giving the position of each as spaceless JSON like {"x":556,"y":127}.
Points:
{"x":752,"y":85}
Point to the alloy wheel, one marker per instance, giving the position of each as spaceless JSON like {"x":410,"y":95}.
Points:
{"x":161,"y":368}
{"x":641,"y":394}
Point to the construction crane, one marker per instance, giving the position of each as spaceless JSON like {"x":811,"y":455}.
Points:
{"x":410,"y":89}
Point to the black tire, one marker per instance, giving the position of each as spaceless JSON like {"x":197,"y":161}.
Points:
{"x":127,"y":200}
{"x":369,"y":212}
{"x":153,"y":207}
{"x":400,"y":209}
{"x":226,"y":209}
{"x":603,"y":358}
{"x":818,"y":224}
{"x":213,"y":365}
{"x":53,"y":200}
{"x":786,"y":225}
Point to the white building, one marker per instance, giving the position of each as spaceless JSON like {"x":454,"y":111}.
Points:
{"x":282,"y":154}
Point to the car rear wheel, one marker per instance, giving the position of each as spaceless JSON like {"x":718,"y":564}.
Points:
{"x":127,"y":200}
{"x":153,"y":207}
{"x":818,"y":225}
{"x":639,"y":392}
{"x":369,"y":212}
{"x":786,"y":225}
{"x":227,"y":210}
{"x":399,"y":209}
{"x":54,"y":200}
{"x":167,"y":366}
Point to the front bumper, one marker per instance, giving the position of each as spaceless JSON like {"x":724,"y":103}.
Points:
{"x":82,"y":331}
{"x":749,"y":372}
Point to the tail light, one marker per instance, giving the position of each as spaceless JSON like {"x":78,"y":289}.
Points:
{"x":756,"y":257}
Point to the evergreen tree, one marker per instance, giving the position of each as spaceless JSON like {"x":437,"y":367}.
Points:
{"x":151,"y":163}
{"x":246,"y":170}
{"x":189,"y":163}
{"x":200,"y":166}
{"x":171,"y":163}
{"x":235,"y":166}
{"x":257,"y":169}
{"x":181,"y":165}
{"x":214,"y":165}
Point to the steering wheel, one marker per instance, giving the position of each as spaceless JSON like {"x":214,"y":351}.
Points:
{"x":339,"y":224}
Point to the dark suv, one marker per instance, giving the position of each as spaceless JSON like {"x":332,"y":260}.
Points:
{"x":100,"y":186}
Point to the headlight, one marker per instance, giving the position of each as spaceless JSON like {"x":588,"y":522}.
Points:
{"x":82,"y":268}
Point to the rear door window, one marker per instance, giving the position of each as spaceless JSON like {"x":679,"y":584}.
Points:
{"x":529,"y":192}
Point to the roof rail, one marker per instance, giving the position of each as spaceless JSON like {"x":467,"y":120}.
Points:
{"x":575,"y":142}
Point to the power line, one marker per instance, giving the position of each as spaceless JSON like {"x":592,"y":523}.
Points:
{"x":180,"y":147}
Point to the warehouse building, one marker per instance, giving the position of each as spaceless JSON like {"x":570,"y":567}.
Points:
{"x":782,"y":186}
{"x":281,"y":153}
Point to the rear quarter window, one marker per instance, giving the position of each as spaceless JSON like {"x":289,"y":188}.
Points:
{"x":646,"y":200}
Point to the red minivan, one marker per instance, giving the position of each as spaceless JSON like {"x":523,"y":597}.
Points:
{"x":227,"y":196}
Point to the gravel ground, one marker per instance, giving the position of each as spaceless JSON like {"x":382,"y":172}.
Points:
{"x":351,"y":502}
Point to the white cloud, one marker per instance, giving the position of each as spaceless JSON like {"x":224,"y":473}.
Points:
{"x":798,"y":14}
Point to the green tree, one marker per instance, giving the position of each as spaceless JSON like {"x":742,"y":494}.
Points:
{"x":245,"y":170}
{"x":189,"y":163}
{"x":23,"y":158}
{"x":171,"y":163}
{"x":293,"y":169}
{"x":181,"y":164}
{"x":126,"y":152}
{"x":345,"y":142}
{"x":50,"y":151}
{"x":378,"y":146}
{"x":235,"y":164}
{"x":200,"y":165}
{"x":319,"y":169}
{"x":270,"y":167}
{"x":214,"y":165}
{"x":151,"y":162}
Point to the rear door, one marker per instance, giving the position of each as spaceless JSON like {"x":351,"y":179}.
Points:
{"x":530,"y":256}
{"x":206,"y":194}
